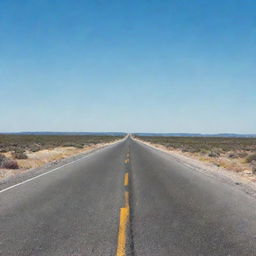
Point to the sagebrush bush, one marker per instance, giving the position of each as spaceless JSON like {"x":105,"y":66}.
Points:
{"x":251,"y":158}
{"x":34,"y":147}
{"x":214,"y":154}
{"x":71,"y":144}
{"x":232,"y":155}
{"x":19,"y":155}
{"x":253,"y":164}
{"x":9,"y":164}
{"x":2,"y":158}
{"x":242,"y":154}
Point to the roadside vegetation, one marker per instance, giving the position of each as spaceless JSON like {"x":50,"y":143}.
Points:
{"x":33,"y":143}
{"x":237,"y":154}
{"x":7,"y":163}
{"x":22,"y":152}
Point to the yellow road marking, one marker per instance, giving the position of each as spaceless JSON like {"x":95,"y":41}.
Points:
{"x":123,"y":222}
{"x":126,"y":161}
{"x":126,"y":179}
{"x":124,"y":218}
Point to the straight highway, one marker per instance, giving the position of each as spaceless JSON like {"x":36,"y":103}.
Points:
{"x":126,"y":199}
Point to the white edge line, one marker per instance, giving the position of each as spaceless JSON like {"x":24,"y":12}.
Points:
{"x":53,"y":170}
{"x":40,"y":175}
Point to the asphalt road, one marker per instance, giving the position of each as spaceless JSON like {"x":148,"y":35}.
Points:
{"x":126,"y":199}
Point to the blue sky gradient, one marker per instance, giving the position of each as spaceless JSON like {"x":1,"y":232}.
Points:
{"x":133,"y":66}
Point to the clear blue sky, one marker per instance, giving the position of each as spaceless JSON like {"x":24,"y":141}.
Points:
{"x":134,"y":66}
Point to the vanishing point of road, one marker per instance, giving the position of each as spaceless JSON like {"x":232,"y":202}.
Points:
{"x":126,"y":199}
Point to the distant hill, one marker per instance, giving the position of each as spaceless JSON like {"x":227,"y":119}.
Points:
{"x":226,"y":135}
{"x":70,"y":133}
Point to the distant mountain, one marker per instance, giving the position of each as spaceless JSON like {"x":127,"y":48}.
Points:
{"x":226,"y":135}
{"x":70,"y":133}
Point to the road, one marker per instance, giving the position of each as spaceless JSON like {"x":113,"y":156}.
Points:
{"x":126,"y":199}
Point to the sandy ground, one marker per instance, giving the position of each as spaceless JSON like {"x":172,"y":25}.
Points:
{"x":246,"y":179}
{"x":42,"y":157}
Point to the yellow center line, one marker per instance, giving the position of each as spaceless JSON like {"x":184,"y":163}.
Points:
{"x":123,"y":223}
{"x":126,"y":161}
{"x":126,"y":179}
{"x":124,"y":217}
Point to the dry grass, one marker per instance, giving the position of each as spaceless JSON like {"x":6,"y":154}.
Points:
{"x":39,"y":158}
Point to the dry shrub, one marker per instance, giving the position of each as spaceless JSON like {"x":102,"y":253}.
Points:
{"x":19,"y":155}
{"x":7,"y":163}
{"x":2,"y":158}
{"x":253,"y":163}
{"x":251,"y":158}
{"x":242,"y":154}
{"x":34,"y":147}
{"x":214,"y":154}
{"x":232,"y":155}
{"x":71,"y":144}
